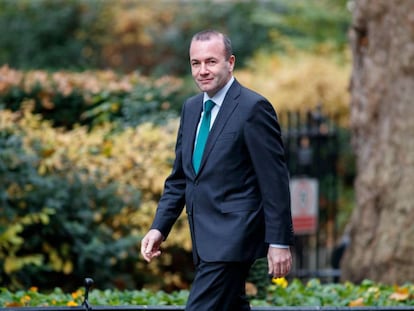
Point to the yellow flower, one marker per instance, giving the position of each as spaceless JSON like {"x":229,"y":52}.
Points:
{"x":282,"y":282}
{"x":359,"y":302}
{"x":400,"y":293}
{"x":71,"y":304}
{"x":25,"y":299}
{"x":76,"y":294}
{"x":33,"y":289}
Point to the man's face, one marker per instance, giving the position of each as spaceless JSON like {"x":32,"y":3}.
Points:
{"x":209,"y":67}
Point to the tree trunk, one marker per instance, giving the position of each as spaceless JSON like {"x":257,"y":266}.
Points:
{"x":382,"y":123}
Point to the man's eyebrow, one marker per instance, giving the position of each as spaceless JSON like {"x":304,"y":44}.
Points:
{"x":207,"y":59}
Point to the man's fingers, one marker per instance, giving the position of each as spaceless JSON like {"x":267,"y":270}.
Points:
{"x":280,"y":262}
{"x":281,"y":269}
{"x":145,"y":245}
{"x":150,"y":245}
{"x":144,"y":253}
{"x":146,"y":248}
{"x":149,"y":255}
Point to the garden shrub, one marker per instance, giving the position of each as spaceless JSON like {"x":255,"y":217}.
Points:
{"x":136,"y":160}
{"x":58,"y":226}
{"x":92,"y":97}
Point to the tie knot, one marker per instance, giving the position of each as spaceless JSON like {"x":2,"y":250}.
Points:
{"x":208,"y":105}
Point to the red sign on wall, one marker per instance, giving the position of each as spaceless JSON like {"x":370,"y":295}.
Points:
{"x":304,"y":198}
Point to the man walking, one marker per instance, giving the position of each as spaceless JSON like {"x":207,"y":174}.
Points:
{"x":230,"y":174}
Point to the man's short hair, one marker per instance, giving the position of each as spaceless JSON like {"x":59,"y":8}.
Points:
{"x":206,"y":35}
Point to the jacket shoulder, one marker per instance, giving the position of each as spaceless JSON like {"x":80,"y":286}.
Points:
{"x":252,"y":94}
{"x":243,"y":91}
{"x":195,"y":98}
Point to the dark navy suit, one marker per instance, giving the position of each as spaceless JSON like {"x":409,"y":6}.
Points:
{"x":239,"y":201}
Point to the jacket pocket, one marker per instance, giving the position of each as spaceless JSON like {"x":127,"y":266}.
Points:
{"x":239,"y":206}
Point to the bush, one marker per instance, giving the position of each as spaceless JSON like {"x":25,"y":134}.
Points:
{"x":58,"y":226}
{"x":92,"y":97}
{"x":136,"y":161}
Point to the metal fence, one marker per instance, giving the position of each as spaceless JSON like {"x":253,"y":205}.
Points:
{"x":311,"y":144}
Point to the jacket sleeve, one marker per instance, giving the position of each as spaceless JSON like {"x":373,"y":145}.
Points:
{"x":264,"y":142}
{"x":172,"y":200}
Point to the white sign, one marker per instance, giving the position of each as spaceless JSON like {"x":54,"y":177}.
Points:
{"x":304,"y":198}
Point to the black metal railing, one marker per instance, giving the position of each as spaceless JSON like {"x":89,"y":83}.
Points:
{"x":312,"y":146}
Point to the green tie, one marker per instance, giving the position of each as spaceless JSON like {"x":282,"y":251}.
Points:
{"x":202,"y":135}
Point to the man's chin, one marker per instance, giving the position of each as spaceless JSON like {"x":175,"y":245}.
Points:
{"x":207,"y":89}
{"x":204,"y":88}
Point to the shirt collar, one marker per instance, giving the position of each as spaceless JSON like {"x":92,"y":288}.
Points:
{"x":218,"y":98}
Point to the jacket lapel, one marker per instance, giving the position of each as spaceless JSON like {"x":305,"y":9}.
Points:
{"x":229,"y":104}
{"x":194,"y":107}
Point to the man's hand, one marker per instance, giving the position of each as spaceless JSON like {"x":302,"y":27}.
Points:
{"x":150,"y":244}
{"x":279,"y":261}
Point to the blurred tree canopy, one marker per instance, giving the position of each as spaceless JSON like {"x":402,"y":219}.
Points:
{"x":47,"y":34}
{"x":153,"y":37}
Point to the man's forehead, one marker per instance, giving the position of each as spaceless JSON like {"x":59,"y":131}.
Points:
{"x":211,"y":40}
{"x":206,"y":47}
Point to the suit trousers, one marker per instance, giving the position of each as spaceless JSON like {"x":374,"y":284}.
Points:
{"x":219,"y":286}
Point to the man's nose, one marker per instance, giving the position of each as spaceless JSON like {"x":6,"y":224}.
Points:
{"x":203,"y":69}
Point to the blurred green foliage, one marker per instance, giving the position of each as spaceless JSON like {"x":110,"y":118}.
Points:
{"x":65,"y":109}
{"x":57,"y":228}
{"x":153,"y":37}
{"x":49,"y":34}
{"x":68,"y":99}
{"x":155,"y":101}
{"x":313,"y":25}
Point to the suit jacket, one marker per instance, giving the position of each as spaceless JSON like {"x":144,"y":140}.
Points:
{"x":239,"y":202}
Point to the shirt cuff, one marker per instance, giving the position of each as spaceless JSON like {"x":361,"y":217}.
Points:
{"x":279,"y":246}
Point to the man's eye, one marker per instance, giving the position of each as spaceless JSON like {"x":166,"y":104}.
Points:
{"x":195,"y":64}
{"x":212,"y":62}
